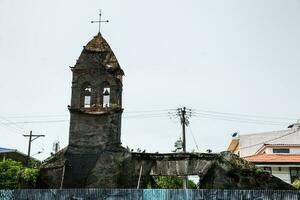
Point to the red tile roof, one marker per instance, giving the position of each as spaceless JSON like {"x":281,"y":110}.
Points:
{"x":273,"y":158}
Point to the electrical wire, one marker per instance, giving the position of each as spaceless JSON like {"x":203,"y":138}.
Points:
{"x":236,"y":119}
{"x":55,"y":121}
{"x":196,"y":144}
{"x":130,"y":112}
{"x":36,"y":116}
{"x":145,"y":114}
{"x":9,"y":128}
{"x":245,"y":115}
{"x":12,"y":125}
{"x":12,"y":129}
{"x":35,"y":122}
{"x":149,"y":111}
{"x":16,"y":129}
{"x":270,"y":140}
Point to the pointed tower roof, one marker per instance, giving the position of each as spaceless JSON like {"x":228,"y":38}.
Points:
{"x":97,"y":53}
{"x":98,"y":44}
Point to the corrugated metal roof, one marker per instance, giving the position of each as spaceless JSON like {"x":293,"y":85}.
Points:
{"x":5,"y":150}
{"x":249,"y":144}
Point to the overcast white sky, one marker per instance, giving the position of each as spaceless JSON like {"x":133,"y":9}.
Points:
{"x":226,"y":56}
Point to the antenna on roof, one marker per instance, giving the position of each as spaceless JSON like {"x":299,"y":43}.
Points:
{"x":235,"y":134}
{"x":56,"y":146}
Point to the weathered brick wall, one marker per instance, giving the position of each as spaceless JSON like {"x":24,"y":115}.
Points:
{"x":94,"y":133}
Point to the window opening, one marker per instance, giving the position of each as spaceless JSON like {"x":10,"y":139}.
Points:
{"x":106,"y":97}
{"x":87,"y":97}
{"x":295,"y":173}
{"x":281,"y":150}
{"x":268,"y":169}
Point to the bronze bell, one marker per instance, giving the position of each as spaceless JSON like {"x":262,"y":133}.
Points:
{"x":106,"y":92}
{"x":87,"y":92}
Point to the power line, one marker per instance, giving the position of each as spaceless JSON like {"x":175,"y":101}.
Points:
{"x":167,"y":110}
{"x":270,"y":140}
{"x":160,"y":113}
{"x":131,"y":114}
{"x":62,"y":115}
{"x":55,"y":121}
{"x":137,"y":116}
{"x":144,"y":114}
{"x":10,"y":123}
{"x":198,"y":115}
{"x":195,"y":142}
{"x":147,"y":111}
{"x":36,"y":116}
{"x":34,"y":122}
{"x":246,"y":115}
{"x":11,"y":128}
{"x":17,"y":129}
{"x":236,"y":119}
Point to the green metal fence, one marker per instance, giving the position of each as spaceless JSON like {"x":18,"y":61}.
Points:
{"x":147,"y":194}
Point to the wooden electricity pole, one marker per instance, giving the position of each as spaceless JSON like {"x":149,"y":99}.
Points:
{"x":184,"y":114}
{"x":183,"y":123}
{"x":31,"y":139}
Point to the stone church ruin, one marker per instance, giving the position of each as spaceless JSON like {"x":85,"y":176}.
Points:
{"x":95,"y":157}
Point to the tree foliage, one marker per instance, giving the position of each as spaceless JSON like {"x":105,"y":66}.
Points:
{"x":14,"y":175}
{"x":171,"y":182}
{"x":296,"y":184}
{"x":9,"y":171}
{"x":30,"y":175}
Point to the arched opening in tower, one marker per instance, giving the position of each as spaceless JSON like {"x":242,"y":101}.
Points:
{"x":106,"y":97}
{"x":87,"y":96}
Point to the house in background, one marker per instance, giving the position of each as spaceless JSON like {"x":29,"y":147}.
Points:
{"x":14,"y":154}
{"x":277,"y":152}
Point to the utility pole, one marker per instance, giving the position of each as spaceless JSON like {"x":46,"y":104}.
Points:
{"x":183,"y":123}
{"x":31,"y":139}
{"x":184,"y":114}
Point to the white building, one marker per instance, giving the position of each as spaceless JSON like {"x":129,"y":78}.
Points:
{"x":277,"y":151}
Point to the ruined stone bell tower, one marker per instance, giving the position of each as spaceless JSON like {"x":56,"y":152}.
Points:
{"x":95,"y":158}
{"x":96,"y":102}
{"x":94,"y":155}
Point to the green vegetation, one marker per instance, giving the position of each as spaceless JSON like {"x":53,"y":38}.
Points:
{"x":14,"y":175}
{"x":171,"y":182}
{"x":296,"y":184}
{"x":30,"y":175}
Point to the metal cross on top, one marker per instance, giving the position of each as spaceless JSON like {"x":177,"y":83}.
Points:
{"x":100,"y":21}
